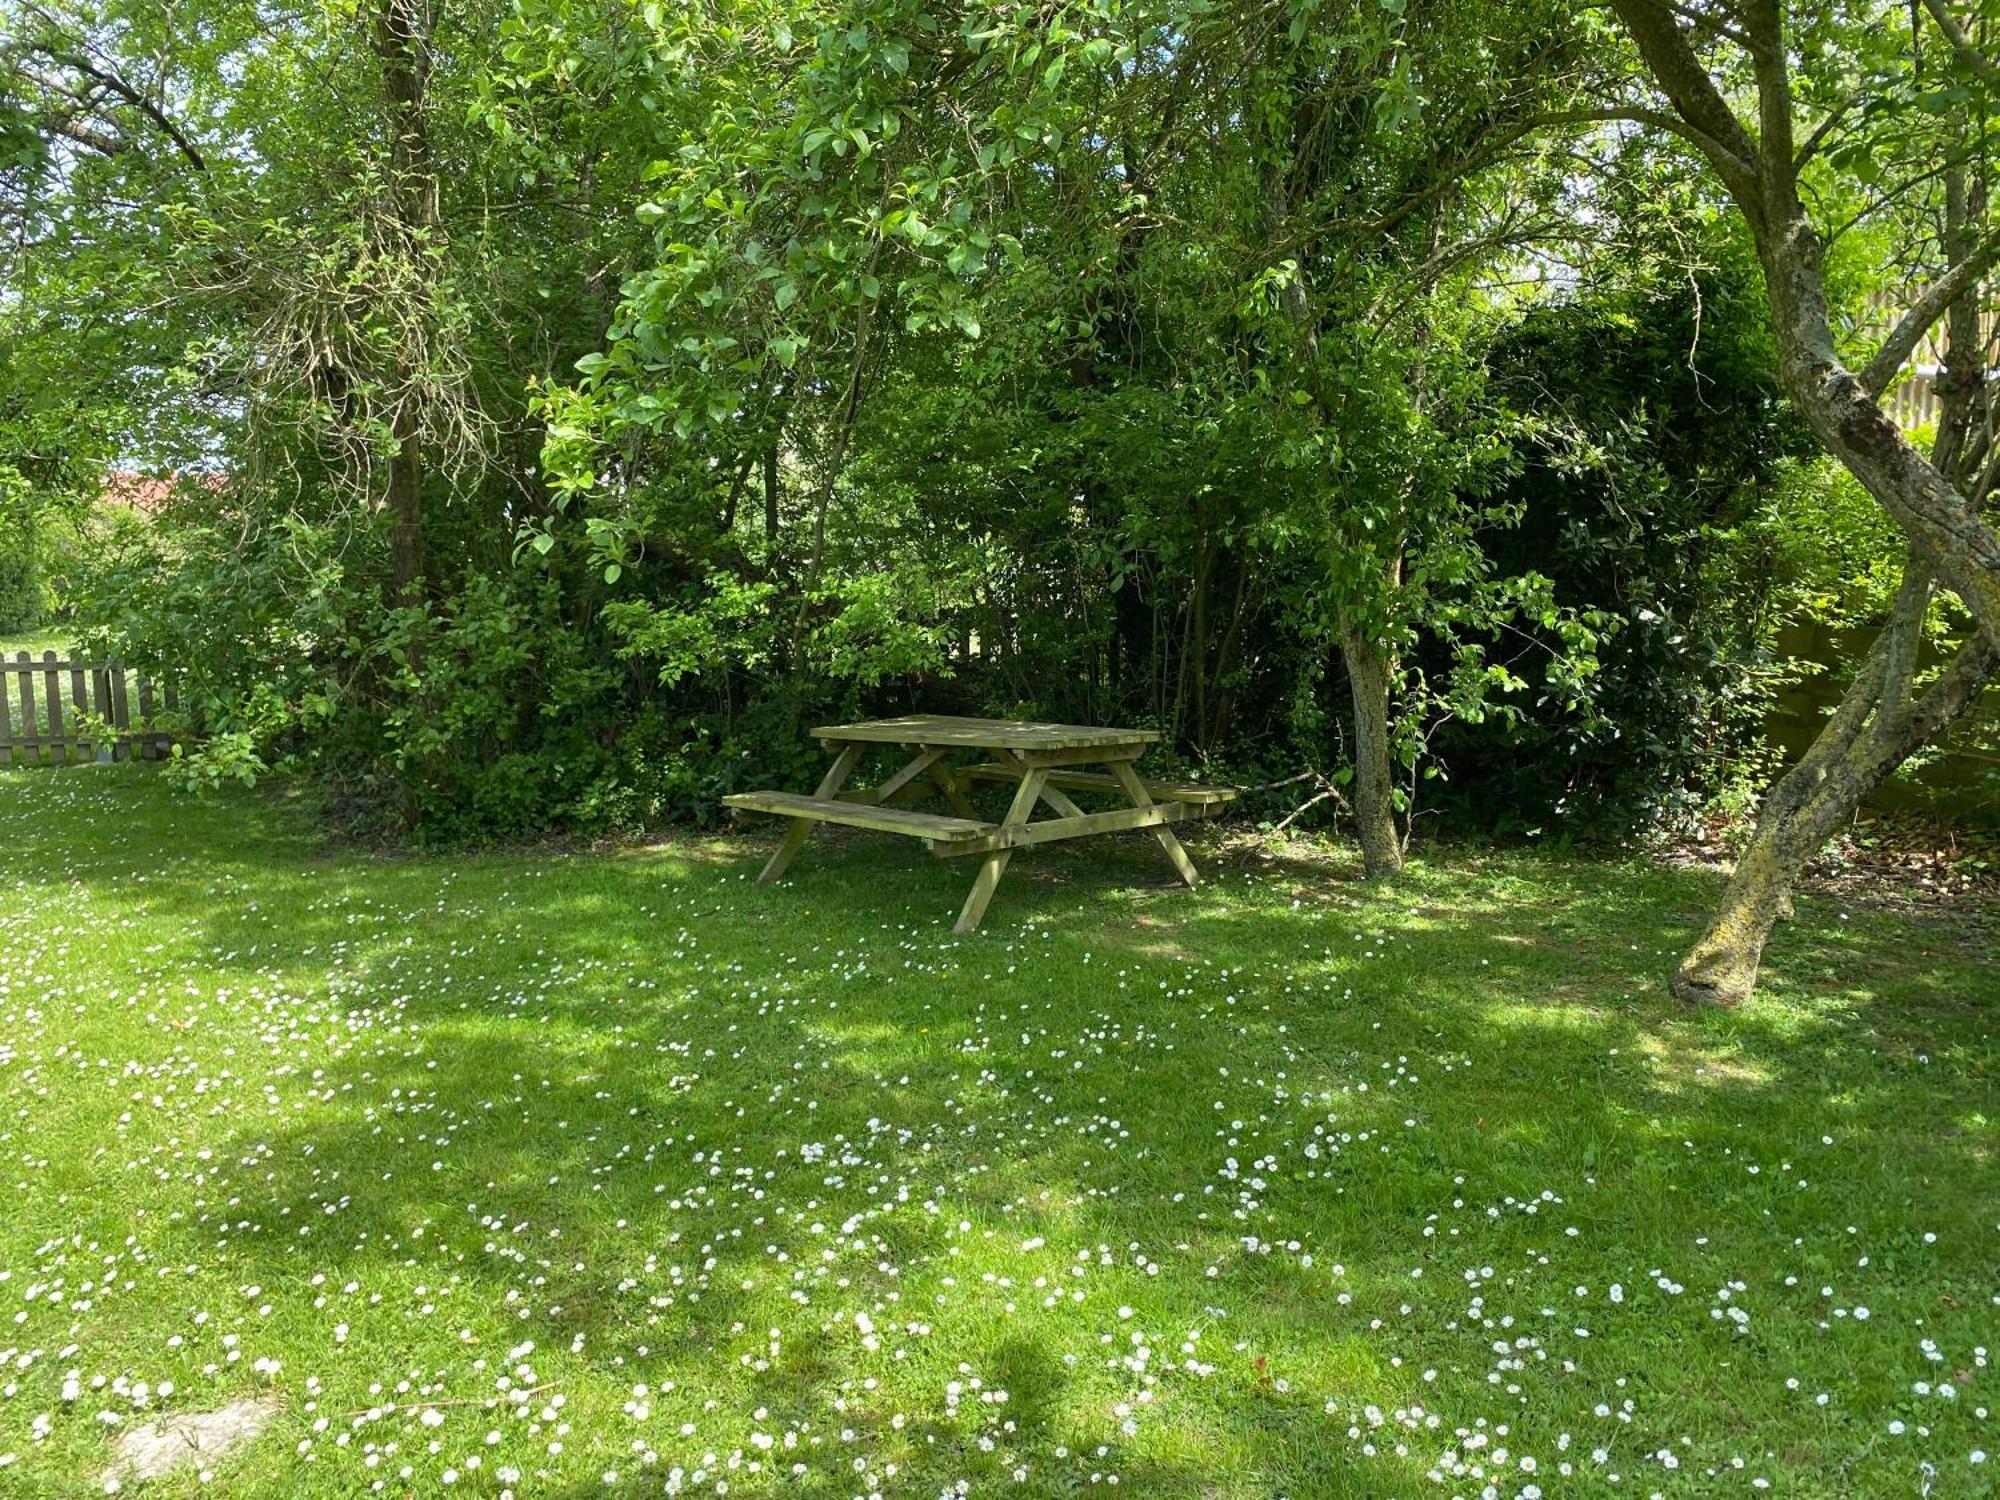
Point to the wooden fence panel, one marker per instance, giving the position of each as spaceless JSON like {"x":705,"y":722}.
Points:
{"x":79,"y":701}
{"x":52,"y":714}
{"x":1912,"y":400}
{"x":35,"y":728}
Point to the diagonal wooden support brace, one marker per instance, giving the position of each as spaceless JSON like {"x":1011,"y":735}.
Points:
{"x":795,"y":836}
{"x":994,"y":865}
{"x":1135,"y":789}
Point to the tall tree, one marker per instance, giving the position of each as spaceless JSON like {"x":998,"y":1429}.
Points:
{"x":402,"y":42}
{"x":1764,"y":97}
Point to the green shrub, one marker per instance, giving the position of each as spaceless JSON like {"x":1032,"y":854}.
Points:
{"x":23,"y":599}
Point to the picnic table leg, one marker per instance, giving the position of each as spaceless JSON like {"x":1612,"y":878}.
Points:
{"x":1135,"y":789}
{"x":795,"y":836}
{"x":994,"y":865}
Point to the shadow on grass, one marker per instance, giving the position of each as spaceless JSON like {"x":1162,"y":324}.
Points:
{"x":622,"y":1057}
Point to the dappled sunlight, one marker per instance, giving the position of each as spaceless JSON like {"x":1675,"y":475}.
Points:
{"x":1223,"y":1192}
{"x":1681,"y":1067}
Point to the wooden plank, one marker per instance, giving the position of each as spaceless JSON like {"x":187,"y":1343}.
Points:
{"x":1098,"y":781}
{"x":947,"y":781}
{"x":858,"y":815}
{"x":1083,"y":825}
{"x":995,"y":864}
{"x":52,"y":710}
{"x":121,"y":716}
{"x":163,"y":746}
{"x":1057,"y":800}
{"x":8,"y":752}
{"x":149,"y":742}
{"x":1141,"y":798}
{"x":872,"y":795}
{"x":911,"y":772}
{"x":100,"y":692}
{"x":79,"y":701}
{"x":1051,"y":793}
{"x":982,"y":734}
{"x":1104,"y":755}
{"x":795,"y":836}
{"x":28,"y":737}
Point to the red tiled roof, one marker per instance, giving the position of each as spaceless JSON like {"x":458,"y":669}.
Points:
{"x":150,"y":494}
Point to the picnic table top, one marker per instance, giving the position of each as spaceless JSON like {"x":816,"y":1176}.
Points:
{"x":982,"y":734}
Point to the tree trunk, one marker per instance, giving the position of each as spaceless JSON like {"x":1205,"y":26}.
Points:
{"x":1822,"y":791}
{"x":1761,"y":174}
{"x":409,"y":568}
{"x":1825,"y":790}
{"x":1880,"y":722}
{"x":1875,"y":728}
{"x":413,"y":196}
{"x":1368,"y":673}
{"x":1926,"y":505}
{"x":771,"y":492}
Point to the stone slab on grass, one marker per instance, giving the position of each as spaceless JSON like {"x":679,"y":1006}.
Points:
{"x":193,"y":1437}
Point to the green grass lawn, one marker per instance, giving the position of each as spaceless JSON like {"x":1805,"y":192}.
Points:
{"x":34,"y":642}
{"x":615,"y":1174}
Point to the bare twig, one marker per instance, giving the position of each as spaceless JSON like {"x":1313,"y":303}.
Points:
{"x":512,"y":1395}
{"x":1324,"y":794}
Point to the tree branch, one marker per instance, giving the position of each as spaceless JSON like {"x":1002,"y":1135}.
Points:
{"x":1905,"y":636}
{"x":1712,"y":23}
{"x":1976,"y":496}
{"x":1692,"y":92}
{"x":1957,"y":688}
{"x":116,"y":84}
{"x":1707,"y":144}
{"x":1766,"y":23}
{"x":1961,"y":43}
{"x":1925,"y":312}
{"x":84,"y":135}
{"x":1821,"y":131}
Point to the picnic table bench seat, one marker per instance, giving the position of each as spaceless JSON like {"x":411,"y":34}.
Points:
{"x":934,"y":827}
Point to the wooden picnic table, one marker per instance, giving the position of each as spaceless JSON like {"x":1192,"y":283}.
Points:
{"x":1043,"y":762}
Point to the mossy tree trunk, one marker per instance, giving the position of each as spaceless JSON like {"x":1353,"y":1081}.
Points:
{"x":1369,"y":670}
{"x":1884,"y":717}
{"x":1879,"y":723}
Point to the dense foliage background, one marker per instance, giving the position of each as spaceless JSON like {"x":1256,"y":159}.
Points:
{"x":573,"y":402}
